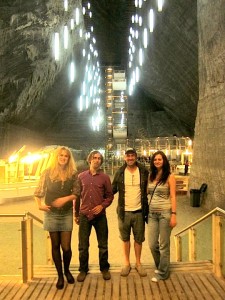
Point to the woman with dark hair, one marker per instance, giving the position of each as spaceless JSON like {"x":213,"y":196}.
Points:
{"x":162,"y":213}
{"x":58,"y":187}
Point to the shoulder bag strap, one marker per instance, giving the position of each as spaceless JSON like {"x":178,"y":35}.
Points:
{"x":153,"y":192}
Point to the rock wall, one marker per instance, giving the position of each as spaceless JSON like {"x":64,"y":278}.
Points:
{"x":209,"y":142}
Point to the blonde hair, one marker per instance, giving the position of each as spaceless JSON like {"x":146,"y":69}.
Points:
{"x":54,"y":167}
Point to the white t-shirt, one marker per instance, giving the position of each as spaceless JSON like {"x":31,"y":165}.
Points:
{"x":132,"y":190}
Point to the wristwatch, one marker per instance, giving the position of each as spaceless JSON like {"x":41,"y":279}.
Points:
{"x":173,"y":212}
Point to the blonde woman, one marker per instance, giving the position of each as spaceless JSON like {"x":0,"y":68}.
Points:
{"x":58,"y":188}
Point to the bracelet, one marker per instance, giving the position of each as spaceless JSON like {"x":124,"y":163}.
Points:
{"x":173,"y":212}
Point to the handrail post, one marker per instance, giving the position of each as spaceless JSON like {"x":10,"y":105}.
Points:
{"x":30,"y":258}
{"x":191,"y":244}
{"x":24,"y":251}
{"x":27,"y":249}
{"x":48,"y":250}
{"x":217,"y":244}
{"x":178,"y":246}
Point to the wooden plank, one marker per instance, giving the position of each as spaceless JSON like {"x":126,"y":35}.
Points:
{"x":219,"y":280}
{"x":76,"y":291}
{"x":185,"y":286}
{"x":131,"y":287}
{"x":52,"y":291}
{"x":49,"y":282}
{"x":115,"y":287}
{"x":171,"y":289}
{"x":193,"y":286}
{"x":21,"y":290}
{"x":201,"y":287}
{"x":31,"y":286}
{"x":123,"y":288}
{"x":146,"y":287}
{"x":155,"y":289}
{"x":215,"y":282}
{"x":58,"y":294}
{"x":177,"y":287}
{"x":100,"y":288}
{"x":180,"y":286}
{"x":93,"y":286}
{"x":4,"y":289}
{"x":39,"y":288}
{"x":85,"y":287}
{"x":10,"y":290}
{"x":108,"y":287}
{"x":138,"y":287}
{"x":210,"y":288}
{"x":163,"y":290}
{"x":68,"y":291}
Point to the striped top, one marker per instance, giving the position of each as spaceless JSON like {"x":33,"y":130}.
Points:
{"x":161,"y":197}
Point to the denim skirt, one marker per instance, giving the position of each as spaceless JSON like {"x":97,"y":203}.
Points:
{"x":58,"y":220}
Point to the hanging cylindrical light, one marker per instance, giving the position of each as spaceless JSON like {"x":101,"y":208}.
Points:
{"x":56,"y":45}
{"x":66,"y":37}
{"x":72,"y":71}
{"x":160,"y":5}
{"x":140,"y":56}
{"x":77,"y":16}
{"x":145,"y":38}
{"x":151,"y":20}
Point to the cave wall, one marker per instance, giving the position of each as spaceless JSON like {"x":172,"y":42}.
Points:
{"x":209,"y":142}
{"x":38,"y":104}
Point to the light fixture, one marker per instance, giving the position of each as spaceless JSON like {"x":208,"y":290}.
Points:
{"x":151,"y":20}
{"x":66,"y":5}
{"x":72,"y":24}
{"x":77,"y":16}
{"x":140,"y":56}
{"x":160,"y":5}
{"x":81,"y":103}
{"x":66,"y":37}
{"x":72,"y":72}
{"x":56,"y":45}
{"x":145,"y":38}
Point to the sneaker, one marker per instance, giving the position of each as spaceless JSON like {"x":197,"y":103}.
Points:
{"x":106,"y":274}
{"x":141,"y":271}
{"x":155,"y":279}
{"x":125,"y":271}
{"x":81,"y":276}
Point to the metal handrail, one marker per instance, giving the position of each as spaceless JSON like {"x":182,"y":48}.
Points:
{"x":217,"y":209}
{"x":27,"y":242}
{"x":34,"y":217}
{"x":24,"y":215}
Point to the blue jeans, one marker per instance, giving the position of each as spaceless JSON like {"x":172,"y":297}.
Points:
{"x":101,"y":229}
{"x":159,"y":232}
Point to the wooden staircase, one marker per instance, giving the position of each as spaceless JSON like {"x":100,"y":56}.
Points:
{"x":187,"y":281}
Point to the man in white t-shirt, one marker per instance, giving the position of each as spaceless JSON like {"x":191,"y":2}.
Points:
{"x":131,"y":183}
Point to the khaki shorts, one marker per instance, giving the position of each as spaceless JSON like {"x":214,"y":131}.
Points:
{"x":134,"y":221}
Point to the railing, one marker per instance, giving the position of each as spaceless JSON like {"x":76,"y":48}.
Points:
{"x":217,"y":236}
{"x":27,"y":243}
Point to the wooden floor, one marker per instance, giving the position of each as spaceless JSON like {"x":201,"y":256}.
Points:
{"x":187,"y":281}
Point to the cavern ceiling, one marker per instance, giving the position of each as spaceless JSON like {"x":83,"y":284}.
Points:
{"x":35,"y":92}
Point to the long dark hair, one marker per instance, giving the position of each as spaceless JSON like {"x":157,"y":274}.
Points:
{"x":165,"y":168}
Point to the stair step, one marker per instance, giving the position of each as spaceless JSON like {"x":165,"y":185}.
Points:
{"x":198,"y":266}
